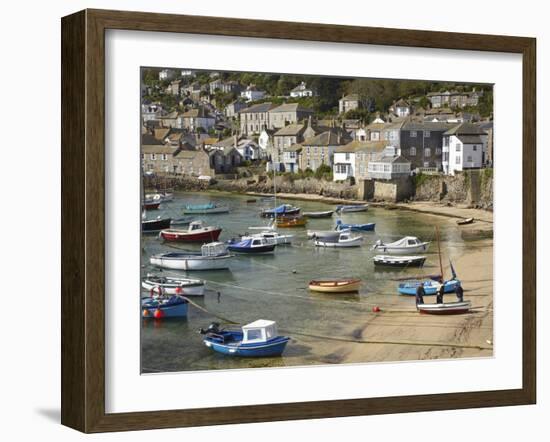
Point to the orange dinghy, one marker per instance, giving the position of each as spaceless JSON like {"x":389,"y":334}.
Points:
{"x":298,"y":221}
{"x":335,"y":286}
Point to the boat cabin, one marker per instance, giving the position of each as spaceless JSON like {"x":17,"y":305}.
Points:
{"x":213,"y":249}
{"x":195,"y":225}
{"x":258,"y":331}
{"x":411,"y":241}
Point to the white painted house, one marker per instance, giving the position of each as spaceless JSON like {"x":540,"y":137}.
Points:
{"x":344,"y":163}
{"x":166,"y":74}
{"x":252,"y":93}
{"x":291,"y":157}
{"x":464,"y":147}
{"x":301,"y":91}
{"x":389,"y":165}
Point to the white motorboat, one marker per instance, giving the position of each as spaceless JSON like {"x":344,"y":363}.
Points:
{"x":170,"y":285}
{"x":325,"y":235}
{"x":344,"y":240}
{"x":405,"y":246}
{"x":273,"y":237}
{"x":213,"y":256}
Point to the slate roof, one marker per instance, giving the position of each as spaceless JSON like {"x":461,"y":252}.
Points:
{"x":434,"y":126}
{"x":465,"y":129}
{"x":258,"y":108}
{"x":470,"y":139}
{"x":293,"y":148}
{"x":356,"y":146}
{"x":199,"y":112}
{"x":291,"y":129}
{"x":327,"y":138}
{"x":291,"y":107}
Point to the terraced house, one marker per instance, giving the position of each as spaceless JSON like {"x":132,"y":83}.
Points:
{"x":319,"y":149}
{"x":289,"y":113}
{"x":422,"y":143}
{"x":255,"y":118}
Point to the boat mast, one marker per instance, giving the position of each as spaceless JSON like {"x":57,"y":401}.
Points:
{"x":439,"y":251}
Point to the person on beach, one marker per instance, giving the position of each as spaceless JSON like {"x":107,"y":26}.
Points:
{"x":459,"y":292}
{"x":420,"y":292}
{"x":440,"y":292}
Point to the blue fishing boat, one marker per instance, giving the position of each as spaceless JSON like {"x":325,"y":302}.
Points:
{"x":283,"y":210}
{"x":257,"y":339}
{"x":251,"y":245}
{"x":164,"y":307}
{"x":354,"y":227}
{"x":430,"y":287}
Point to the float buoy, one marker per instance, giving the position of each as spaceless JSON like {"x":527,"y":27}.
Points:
{"x":179,"y":291}
{"x":145,"y":313}
{"x":158,"y":313}
{"x":376,"y":309}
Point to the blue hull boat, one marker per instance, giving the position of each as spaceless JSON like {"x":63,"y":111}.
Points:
{"x":355,"y":227}
{"x":159,"y":308}
{"x":250,"y":245}
{"x":257,"y":339}
{"x":283,"y":210}
{"x":430,"y":287}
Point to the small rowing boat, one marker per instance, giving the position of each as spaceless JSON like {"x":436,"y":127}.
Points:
{"x":399,"y":261}
{"x":462,"y":222}
{"x":297,"y":221}
{"x":170,"y":285}
{"x":155,"y":225}
{"x":213,"y":256}
{"x":335,"y":285}
{"x":352,"y":208}
{"x":160,"y":307}
{"x":257,"y":339}
{"x":324,"y":235}
{"x":325,"y":214}
{"x":446,"y":308}
{"x":280,"y":211}
{"x":354,"y":227}
{"x":204,"y":209}
{"x":430,"y":287}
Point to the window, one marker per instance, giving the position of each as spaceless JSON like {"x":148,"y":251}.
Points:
{"x":153,"y":156}
{"x":474,"y":148}
{"x":427,"y":133}
{"x":253,"y":334}
{"x":427,"y":152}
{"x":426,"y":164}
{"x":164,"y":157}
{"x":445,"y":156}
{"x":413,"y":134}
{"x":457,"y":159}
{"x":469,"y":159}
{"x":412,"y":152}
{"x":438,"y":151}
{"x":458,"y":147}
{"x":347,"y":156}
{"x":445,"y":141}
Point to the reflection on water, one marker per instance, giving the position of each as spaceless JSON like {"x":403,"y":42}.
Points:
{"x":275,"y":286}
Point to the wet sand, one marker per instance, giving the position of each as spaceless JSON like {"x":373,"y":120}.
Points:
{"x":399,"y":333}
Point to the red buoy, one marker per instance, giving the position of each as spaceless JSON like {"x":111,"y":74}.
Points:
{"x":179,"y":290}
{"x":158,"y":313}
{"x":376,"y":309}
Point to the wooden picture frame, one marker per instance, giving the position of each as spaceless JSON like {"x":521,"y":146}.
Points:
{"x":83,"y":219}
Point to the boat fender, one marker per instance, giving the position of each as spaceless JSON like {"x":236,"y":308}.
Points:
{"x":145,"y":313}
{"x":179,"y":291}
{"x":158,"y":313}
{"x":376,"y":309}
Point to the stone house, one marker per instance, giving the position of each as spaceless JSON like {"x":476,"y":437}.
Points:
{"x":454,"y":98}
{"x":157,"y":158}
{"x":289,"y":113}
{"x":226,"y":160}
{"x":401,"y":108}
{"x":194,"y":90}
{"x":351,"y":160}
{"x":151,"y":111}
{"x":292,"y":157}
{"x":252,"y":93}
{"x":224,"y":86}
{"x":170,"y":120}
{"x":197,"y":117}
{"x":286,"y":137}
{"x":464,"y":147}
{"x":319,"y":150}
{"x":191,"y":162}
{"x":233,"y":108}
{"x":255,"y":118}
{"x":176,"y":87}
{"x":351,"y":102}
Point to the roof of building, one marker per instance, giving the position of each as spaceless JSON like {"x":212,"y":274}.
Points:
{"x":150,"y":140}
{"x":198,"y":112}
{"x":470,"y":139}
{"x":401,"y":103}
{"x":356,"y":146}
{"x":435,"y":126}
{"x":301,"y":87}
{"x":465,"y":129}
{"x":291,"y":107}
{"x":188,"y":154}
{"x":291,"y":129}
{"x":157,"y":149}
{"x":210,"y":140}
{"x":392,"y":159}
{"x":327,"y":138}
{"x":257,"y":108}
{"x":350,"y":97}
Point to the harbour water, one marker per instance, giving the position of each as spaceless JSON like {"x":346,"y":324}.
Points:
{"x":274,"y":286}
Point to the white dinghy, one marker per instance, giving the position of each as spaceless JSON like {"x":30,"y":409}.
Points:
{"x":405,"y":246}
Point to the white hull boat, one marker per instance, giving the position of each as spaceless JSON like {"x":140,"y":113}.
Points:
{"x":272,"y":237}
{"x":352,"y":208}
{"x":405,"y":246}
{"x":213,"y":256}
{"x":446,"y":308}
{"x":324,"y":235}
{"x":170,"y":285}
{"x":344,"y":240}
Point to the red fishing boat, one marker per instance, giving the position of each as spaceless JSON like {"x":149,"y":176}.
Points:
{"x":196,"y":232}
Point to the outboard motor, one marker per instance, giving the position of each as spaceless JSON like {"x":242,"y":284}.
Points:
{"x":212,"y":328}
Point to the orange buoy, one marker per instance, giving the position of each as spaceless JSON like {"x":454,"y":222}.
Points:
{"x":145,"y":312}
{"x":158,"y":313}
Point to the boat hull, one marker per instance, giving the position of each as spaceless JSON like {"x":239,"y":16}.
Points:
{"x":178,"y":310}
{"x":155,"y":225}
{"x":349,"y":209}
{"x":405,"y":261}
{"x":154,"y":205}
{"x":326,"y":214}
{"x":271,"y":348}
{"x":430,"y":287}
{"x":335,"y":286}
{"x":355,"y":242}
{"x":324,"y":235}
{"x":402,"y":250}
{"x":448,"y":308}
{"x":205,"y":211}
{"x":368,"y":227}
{"x":171,"y":288}
{"x":267,"y":248}
{"x":191,"y":262}
{"x":184,"y":236}
{"x":271,"y":213}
